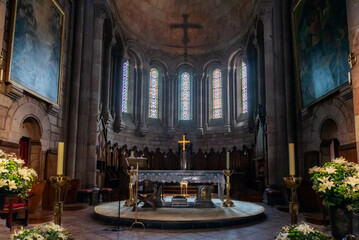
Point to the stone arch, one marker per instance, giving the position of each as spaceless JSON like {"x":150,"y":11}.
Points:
{"x":17,"y":115}
{"x":340,"y":114}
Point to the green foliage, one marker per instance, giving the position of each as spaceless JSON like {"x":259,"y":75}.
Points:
{"x":48,"y":231}
{"x":337,"y":182}
{"x":301,"y":232}
{"x":14,"y":177}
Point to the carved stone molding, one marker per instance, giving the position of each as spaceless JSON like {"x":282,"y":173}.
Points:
{"x":53,"y":109}
{"x":118,"y":125}
{"x":13,"y":92}
{"x":142,"y":130}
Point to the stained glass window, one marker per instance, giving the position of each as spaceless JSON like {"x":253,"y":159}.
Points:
{"x":185,"y":96}
{"x":217,"y":94}
{"x":244,"y":88}
{"x":153,"y":111}
{"x":125,"y":74}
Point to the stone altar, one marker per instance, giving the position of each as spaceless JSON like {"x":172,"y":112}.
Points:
{"x":204,"y":179}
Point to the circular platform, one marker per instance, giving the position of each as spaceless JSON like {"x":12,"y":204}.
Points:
{"x":182,"y":218}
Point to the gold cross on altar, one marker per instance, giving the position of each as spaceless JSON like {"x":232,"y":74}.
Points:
{"x":184,"y":142}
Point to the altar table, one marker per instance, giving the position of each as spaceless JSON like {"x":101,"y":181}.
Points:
{"x":203,"y":179}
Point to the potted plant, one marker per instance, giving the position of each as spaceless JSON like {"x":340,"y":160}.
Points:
{"x":48,"y":231}
{"x":15,"y":179}
{"x":301,"y":232}
{"x":338,"y":183}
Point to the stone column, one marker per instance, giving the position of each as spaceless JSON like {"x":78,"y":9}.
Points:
{"x":227,"y":101}
{"x":171,"y":104}
{"x":270,"y":91}
{"x":75,"y":90}
{"x":353,"y":27}
{"x":119,"y":124}
{"x":84,"y":104}
{"x":200,"y":102}
{"x":108,"y":44}
{"x":260,"y":71}
{"x":100,"y":15}
{"x":145,"y":73}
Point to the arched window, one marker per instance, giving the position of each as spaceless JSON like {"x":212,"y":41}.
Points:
{"x":185,"y":96}
{"x":125,"y":75}
{"x":244,"y":88}
{"x":217,"y":94}
{"x":153,"y":111}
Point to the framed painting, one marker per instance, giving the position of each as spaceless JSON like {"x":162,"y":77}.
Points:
{"x":36,"y":48}
{"x":321,"y":47}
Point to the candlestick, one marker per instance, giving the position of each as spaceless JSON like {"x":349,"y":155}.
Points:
{"x":293,"y":183}
{"x":227,"y":163}
{"x":228,"y":202}
{"x":58,"y":182}
{"x":60,"y":158}
{"x":291,"y":160}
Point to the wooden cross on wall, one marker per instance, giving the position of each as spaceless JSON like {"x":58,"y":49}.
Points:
{"x":184,"y":141}
{"x":185,"y":26}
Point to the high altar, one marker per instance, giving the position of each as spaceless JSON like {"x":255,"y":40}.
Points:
{"x":202,"y":179}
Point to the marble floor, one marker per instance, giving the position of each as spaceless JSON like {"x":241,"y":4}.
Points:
{"x":83,"y":226}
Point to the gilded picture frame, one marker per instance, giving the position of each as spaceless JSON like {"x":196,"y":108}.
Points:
{"x":321,"y":48}
{"x":36,"y":48}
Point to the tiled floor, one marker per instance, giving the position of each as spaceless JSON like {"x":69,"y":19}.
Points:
{"x":83,"y":226}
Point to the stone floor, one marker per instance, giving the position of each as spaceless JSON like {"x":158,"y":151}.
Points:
{"x":82,"y":225}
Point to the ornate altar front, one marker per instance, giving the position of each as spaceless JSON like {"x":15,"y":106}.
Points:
{"x":202,"y":179}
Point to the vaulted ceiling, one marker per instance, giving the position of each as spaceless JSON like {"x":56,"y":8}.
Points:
{"x":149,"y":21}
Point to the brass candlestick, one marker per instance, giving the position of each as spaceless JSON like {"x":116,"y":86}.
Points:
{"x":293,"y":183}
{"x":58,"y":182}
{"x":228,"y":202}
{"x":136,"y":222}
{"x":130,"y":201}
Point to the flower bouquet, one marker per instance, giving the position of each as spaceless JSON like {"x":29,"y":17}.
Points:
{"x":301,"y":232}
{"x":14,"y":178}
{"x":48,"y":231}
{"x":337,"y":182}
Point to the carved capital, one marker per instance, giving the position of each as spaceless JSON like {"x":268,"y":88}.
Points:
{"x":101,"y":10}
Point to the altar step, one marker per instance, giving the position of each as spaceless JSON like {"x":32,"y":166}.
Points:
{"x":176,"y":190}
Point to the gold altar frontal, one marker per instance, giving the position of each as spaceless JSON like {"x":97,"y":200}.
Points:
{"x":183,"y":218}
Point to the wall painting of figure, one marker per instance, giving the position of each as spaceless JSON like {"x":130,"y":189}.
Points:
{"x":37,"y":40}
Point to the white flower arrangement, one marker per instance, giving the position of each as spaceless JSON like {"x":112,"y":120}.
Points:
{"x":301,"y":232}
{"x":47,"y":231}
{"x":337,"y":182}
{"x":14,"y":178}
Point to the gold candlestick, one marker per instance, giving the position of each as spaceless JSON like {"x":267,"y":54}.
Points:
{"x":58,"y":182}
{"x":228,"y":202}
{"x":293,"y":183}
{"x":130,"y":201}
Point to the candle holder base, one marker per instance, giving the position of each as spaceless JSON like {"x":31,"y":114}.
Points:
{"x":129,"y":202}
{"x":228,"y":203}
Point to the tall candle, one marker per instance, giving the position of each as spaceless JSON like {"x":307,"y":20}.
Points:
{"x":291,"y":160}
{"x":1,"y":74}
{"x":227,"y":163}
{"x":349,"y":78}
{"x":60,"y":159}
{"x":132,"y":153}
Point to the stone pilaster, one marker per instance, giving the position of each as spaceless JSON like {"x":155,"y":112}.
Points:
{"x":2,"y":22}
{"x":353,"y":27}
{"x":171,"y":104}
{"x":75,"y":90}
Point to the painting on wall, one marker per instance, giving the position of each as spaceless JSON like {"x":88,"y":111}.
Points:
{"x":36,"y":56}
{"x":321,"y":47}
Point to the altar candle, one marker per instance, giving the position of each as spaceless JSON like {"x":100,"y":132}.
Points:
{"x":132,"y":154}
{"x":349,"y":78}
{"x":1,"y":74}
{"x":291,"y":160}
{"x":227,"y":161}
{"x":60,"y":158}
